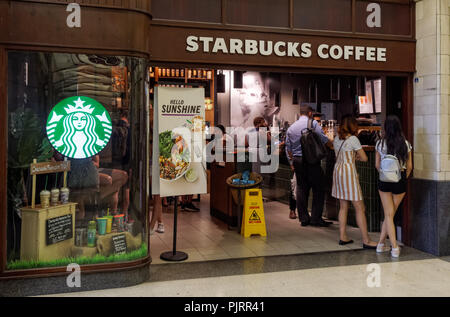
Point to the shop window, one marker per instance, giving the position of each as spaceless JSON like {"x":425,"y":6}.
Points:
{"x":88,"y":110}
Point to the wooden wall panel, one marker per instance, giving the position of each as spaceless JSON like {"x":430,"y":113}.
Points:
{"x":400,"y":55}
{"x":258,"y":12}
{"x":3,"y":157}
{"x":395,"y":19}
{"x":144,"y":5}
{"x":332,"y":15}
{"x":43,"y":26}
{"x":187,"y":10}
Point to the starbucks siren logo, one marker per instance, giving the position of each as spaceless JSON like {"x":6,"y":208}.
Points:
{"x":79,"y":127}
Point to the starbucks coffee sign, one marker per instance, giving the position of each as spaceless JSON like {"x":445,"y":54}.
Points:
{"x":79,"y":127}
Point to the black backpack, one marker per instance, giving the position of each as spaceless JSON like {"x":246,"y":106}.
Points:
{"x":313,"y":149}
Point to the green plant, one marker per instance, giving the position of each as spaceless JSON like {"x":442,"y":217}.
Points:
{"x":27,"y":139}
{"x":97,"y":259}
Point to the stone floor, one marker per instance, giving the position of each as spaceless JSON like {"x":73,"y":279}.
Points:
{"x":205,"y":238}
{"x":292,"y":261}
{"x":336,"y":273}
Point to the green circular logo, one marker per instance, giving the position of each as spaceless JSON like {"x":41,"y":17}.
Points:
{"x":79,"y":127}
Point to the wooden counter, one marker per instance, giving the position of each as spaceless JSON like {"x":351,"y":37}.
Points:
{"x":220,"y":197}
{"x":35,"y":241}
{"x":221,"y":201}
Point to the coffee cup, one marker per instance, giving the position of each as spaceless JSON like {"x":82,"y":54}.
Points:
{"x":109,"y":221}
{"x":54,"y":197}
{"x":45,"y":198}
{"x":101,"y":224}
{"x":64,"y":194}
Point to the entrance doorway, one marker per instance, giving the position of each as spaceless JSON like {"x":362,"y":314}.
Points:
{"x":233,"y":98}
{"x":398,"y":103}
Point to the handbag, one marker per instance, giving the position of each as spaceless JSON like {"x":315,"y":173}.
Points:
{"x":337,"y":156}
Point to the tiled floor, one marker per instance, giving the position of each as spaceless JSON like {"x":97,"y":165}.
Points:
{"x":205,"y":238}
{"x":430,"y":277}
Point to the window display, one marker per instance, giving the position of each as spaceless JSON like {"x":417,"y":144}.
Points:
{"x":77,"y":151}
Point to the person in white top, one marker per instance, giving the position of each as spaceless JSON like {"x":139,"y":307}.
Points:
{"x":346,"y":185}
{"x":392,"y":194}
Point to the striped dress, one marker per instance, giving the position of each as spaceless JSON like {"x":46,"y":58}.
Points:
{"x":345,"y":177}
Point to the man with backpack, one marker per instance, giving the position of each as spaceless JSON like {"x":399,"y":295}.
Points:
{"x":305,"y":148}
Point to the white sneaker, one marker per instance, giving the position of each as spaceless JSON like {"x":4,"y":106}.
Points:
{"x":160,"y":227}
{"x":395,"y":252}
{"x":382,"y":248}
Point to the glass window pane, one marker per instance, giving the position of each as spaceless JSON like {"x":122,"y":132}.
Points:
{"x":89,"y":110}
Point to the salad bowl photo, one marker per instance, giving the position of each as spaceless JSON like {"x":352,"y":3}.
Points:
{"x":174,"y":156}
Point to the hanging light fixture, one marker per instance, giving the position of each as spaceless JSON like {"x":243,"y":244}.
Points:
{"x":295,"y":96}
{"x":277,"y":99}
{"x":238,"y":76}
{"x":220,"y":82}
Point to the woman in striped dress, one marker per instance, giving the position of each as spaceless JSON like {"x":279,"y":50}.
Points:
{"x":346,"y":186}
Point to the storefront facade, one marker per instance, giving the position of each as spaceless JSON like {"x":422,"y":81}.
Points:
{"x":71,"y":57}
{"x":73,"y":93}
{"x":366,"y":39}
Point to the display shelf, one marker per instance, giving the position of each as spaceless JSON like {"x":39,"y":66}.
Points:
{"x":170,"y":77}
{"x":199,"y":78}
{"x":188,"y":79}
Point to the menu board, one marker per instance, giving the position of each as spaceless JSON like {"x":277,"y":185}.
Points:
{"x":119,"y":244}
{"x":366,"y":102}
{"x":59,"y":229}
{"x":377,"y":95}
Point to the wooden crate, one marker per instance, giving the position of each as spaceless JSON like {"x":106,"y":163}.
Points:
{"x":33,"y":238}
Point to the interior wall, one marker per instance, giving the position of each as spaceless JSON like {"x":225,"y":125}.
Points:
{"x":285,"y":83}
{"x":223,"y":101}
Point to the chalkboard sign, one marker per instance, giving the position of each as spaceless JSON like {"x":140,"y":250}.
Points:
{"x":119,"y":244}
{"x":59,"y":229}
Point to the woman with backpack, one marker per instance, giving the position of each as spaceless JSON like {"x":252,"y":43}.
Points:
{"x":394,"y":163}
{"x":346,"y":185}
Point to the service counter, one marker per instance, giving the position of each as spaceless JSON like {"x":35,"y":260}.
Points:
{"x":221,"y":201}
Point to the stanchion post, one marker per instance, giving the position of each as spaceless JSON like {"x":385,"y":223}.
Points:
{"x":174,"y":255}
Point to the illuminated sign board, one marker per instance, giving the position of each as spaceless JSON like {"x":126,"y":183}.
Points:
{"x":79,"y":127}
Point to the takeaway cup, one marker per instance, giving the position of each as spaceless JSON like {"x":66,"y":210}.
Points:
{"x":101,"y":224}
{"x":45,"y":199}
{"x":119,"y":222}
{"x":54,"y":197}
{"x":64,"y":194}
{"x":109,"y":220}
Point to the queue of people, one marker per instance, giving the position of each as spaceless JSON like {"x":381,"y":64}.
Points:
{"x":392,"y":150}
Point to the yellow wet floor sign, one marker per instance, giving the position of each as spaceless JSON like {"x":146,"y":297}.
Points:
{"x":253,"y":221}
